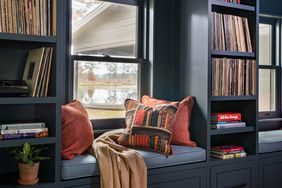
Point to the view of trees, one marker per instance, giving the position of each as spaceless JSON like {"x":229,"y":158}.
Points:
{"x":108,"y":83}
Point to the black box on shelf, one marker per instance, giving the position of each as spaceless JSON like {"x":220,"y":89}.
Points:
{"x":13,"y":88}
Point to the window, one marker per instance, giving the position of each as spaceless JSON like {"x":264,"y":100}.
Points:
{"x":106,"y":54}
{"x":267,"y":89}
{"x":269,"y":73}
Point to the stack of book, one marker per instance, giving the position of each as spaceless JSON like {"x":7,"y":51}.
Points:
{"x":23,"y":130}
{"x":230,"y":33}
{"x":226,"y":120}
{"x":228,"y":152}
{"x":233,"y":1}
{"x":37,"y":71}
{"x":35,"y":17}
{"x":233,"y":77}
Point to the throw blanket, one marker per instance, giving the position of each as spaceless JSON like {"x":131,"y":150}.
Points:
{"x":120,"y":167}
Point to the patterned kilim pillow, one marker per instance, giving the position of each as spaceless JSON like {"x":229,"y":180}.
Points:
{"x":181,"y":134}
{"x":149,"y":128}
{"x":131,"y":104}
{"x":130,"y":107}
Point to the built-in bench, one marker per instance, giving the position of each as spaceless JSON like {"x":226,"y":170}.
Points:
{"x":270,"y":158}
{"x":187,"y":167}
{"x":87,"y":166}
{"x":270,"y":141}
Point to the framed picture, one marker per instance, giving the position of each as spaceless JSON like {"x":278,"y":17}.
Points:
{"x":32,"y":69}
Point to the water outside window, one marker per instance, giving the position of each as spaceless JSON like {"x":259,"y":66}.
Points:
{"x":103,"y":87}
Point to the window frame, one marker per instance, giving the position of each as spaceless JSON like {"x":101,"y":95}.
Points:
{"x":275,"y":65}
{"x":101,"y":125}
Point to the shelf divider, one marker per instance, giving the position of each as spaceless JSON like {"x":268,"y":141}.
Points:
{"x":232,"y":130}
{"x":27,"y":38}
{"x":233,"y":5}
{"x":232,"y":54}
{"x":216,"y":161}
{"x":234,"y":98}
{"x":27,"y":100}
{"x":32,"y":141}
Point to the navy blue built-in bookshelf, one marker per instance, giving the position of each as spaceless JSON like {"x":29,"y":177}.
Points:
{"x":14,"y":49}
{"x":191,"y":56}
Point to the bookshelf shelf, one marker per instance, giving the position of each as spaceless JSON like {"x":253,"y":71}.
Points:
{"x":233,"y":98}
{"x":9,"y":180}
{"x":27,"y":38}
{"x":221,"y":3}
{"x":41,"y":185}
{"x":32,"y":141}
{"x":232,"y":54}
{"x":270,"y":120}
{"x":216,"y":161}
{"x":28,"y":100}
{"x":232,"y":130}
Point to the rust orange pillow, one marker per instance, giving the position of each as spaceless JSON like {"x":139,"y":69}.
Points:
{"x":181,"y":124}
{"x":77,"y":132}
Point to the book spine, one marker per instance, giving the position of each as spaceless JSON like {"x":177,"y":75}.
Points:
{"x":48,"y":73}
{"x":228,"y":125}
{"x":16,"y":131}
{"x":253,"y":77}
{"x":22,"y":126}
{"x":224,"y":157}
{"x":4,"y":16}
{"x":229,"y":156}
{"x":230,"y":150}
{"x":224,"y":122}
{"x":54,"y":17}
{"x":223,"y":153}
{"x":240,"y":155}
{"x":227,"y":148}
{"x":24,"y":135}
{"x":219,"y":117}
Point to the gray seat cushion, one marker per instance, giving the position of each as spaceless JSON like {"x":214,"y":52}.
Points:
{"x":86,"y":165}
{"x":181,"y":155}
{"x":270,"y":141}
{"x":80,"y":166}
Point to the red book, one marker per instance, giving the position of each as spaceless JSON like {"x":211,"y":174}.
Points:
{"x":226,"y":117}
{"x":227,"y":148}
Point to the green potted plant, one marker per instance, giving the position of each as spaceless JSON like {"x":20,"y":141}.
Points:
{"x":28,"y":161}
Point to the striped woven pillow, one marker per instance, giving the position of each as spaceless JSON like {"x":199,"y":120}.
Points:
{"x":149,"y":127}
{"x":130,"y":107}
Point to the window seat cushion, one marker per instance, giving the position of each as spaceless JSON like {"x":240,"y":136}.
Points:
{"x":270,"y":141}
{"x":87,"y":166}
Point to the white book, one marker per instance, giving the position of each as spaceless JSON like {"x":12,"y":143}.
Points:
{"x":22,"y":126}
{"x":228,"y":125}
{"x":16,"y":131}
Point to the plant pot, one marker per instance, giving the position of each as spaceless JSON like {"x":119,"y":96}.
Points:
{"x":28,"y":174}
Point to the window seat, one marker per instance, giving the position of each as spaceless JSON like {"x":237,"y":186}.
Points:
{"x":87,"y":166}
{"x":270,"y":141}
